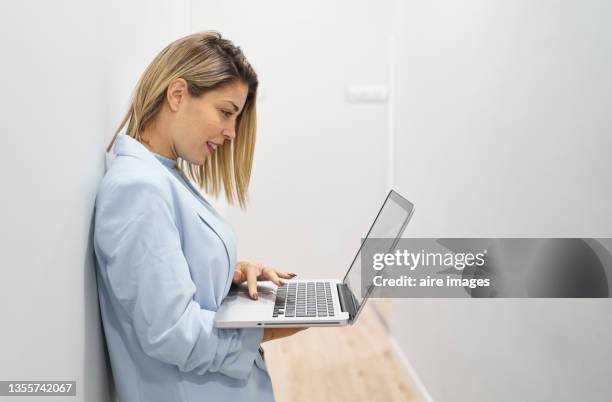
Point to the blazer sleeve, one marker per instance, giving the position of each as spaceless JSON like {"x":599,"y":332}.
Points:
{"x":136,"y":235}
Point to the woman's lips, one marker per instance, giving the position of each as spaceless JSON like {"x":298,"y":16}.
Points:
{"x":211,"y":150}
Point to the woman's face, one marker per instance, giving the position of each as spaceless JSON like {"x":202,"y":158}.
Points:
{"x":201,"y":125}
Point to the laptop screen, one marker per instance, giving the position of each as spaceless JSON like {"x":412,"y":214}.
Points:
{"x":389,"y":223}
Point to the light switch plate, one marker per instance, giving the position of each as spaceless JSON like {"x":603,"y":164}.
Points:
{"x":367,"y":93}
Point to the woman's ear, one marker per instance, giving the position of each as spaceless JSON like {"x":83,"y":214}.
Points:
{"x":176,"y":93}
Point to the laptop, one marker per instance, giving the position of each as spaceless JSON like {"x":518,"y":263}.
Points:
{"x":314,"y":302}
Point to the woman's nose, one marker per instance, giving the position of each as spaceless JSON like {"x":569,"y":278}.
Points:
{"x":229,"y":133}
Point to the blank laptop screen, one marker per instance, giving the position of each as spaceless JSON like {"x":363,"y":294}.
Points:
{"x":389,"y":223}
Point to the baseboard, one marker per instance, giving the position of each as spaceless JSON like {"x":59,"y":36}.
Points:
{"x":413,"y":378}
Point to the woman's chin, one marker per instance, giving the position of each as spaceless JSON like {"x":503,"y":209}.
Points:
{"x":199,"y":160}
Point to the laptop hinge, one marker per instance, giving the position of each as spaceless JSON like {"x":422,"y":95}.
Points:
{"x":347,"y":300}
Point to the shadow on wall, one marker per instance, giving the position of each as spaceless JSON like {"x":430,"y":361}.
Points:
{"x":96,"y":362}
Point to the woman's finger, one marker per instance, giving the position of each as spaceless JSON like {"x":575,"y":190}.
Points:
{"x":251,"y":277}
{"x":271,"y":275}
{"x":285,"y":275}
{"x":238,"y":277}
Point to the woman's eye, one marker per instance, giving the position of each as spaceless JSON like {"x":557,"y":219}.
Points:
{"x":226,"y":113}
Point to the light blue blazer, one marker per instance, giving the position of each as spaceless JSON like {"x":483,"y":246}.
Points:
{"x":165,"y":261}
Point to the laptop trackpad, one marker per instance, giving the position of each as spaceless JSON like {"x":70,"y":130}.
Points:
{"x":240,"y":302}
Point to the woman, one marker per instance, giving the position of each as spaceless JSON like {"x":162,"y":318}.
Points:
{"x":166,"y":258}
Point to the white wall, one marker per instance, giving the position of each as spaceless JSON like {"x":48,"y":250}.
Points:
{"x":68,"y":68}
{"x":503,"y":129}
{"x":319,"y":174}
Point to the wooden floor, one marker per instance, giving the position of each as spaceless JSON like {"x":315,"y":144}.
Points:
{"x":343,"y":364}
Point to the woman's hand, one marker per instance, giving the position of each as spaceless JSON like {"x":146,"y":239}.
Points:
{"x":252,"y":272}
{"x":277,"y":333}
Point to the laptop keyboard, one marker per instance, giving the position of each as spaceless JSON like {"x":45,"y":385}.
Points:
{"x":304,"y":299}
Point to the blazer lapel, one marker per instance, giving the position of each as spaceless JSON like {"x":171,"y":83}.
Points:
{"x":217,"y":225}
{"x":126,"y":145}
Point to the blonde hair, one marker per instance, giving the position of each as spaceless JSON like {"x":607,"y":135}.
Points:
{"x":206,"y":61}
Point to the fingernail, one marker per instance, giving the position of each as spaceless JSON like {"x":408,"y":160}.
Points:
{"x":255,"y":296}
{"x":292,"y":274}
